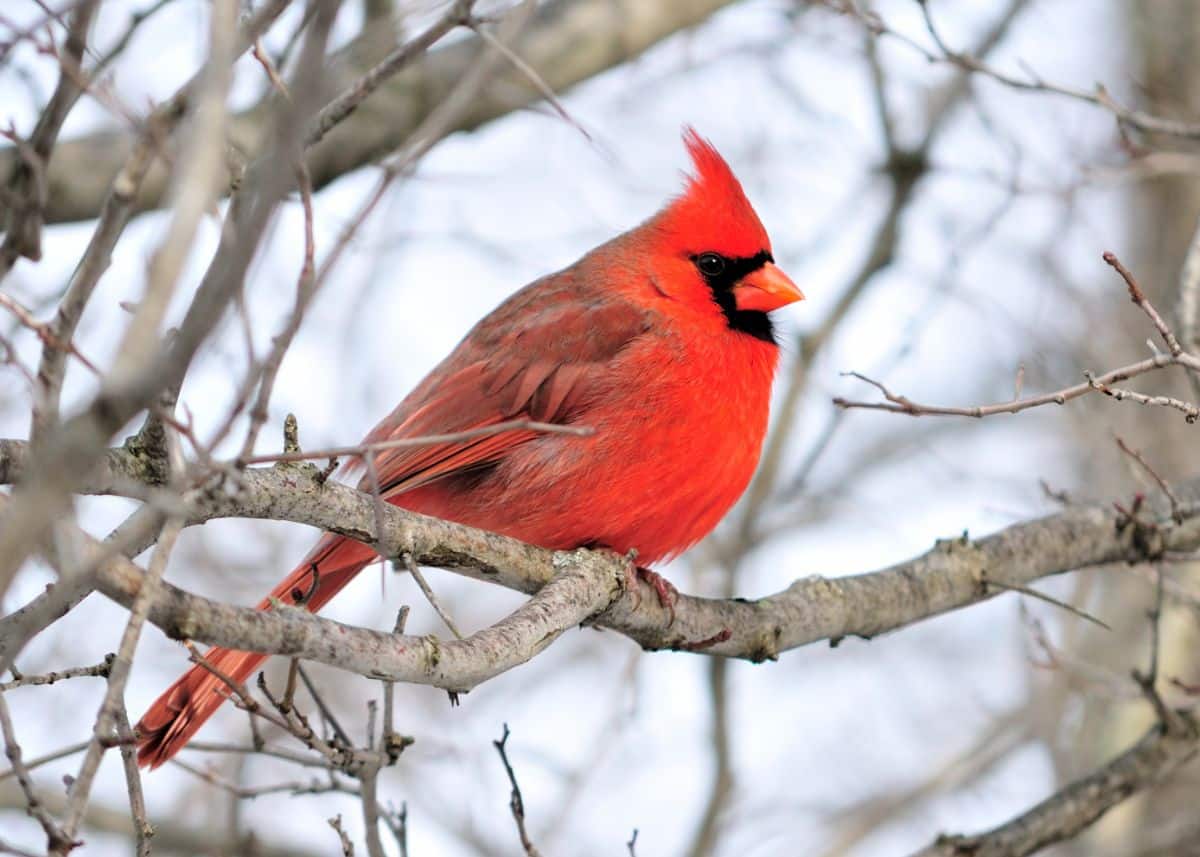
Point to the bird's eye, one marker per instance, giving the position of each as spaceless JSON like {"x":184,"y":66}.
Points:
{"x":710,"y":264}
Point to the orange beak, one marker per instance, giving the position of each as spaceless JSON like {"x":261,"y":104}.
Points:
{"x":766,"y":289}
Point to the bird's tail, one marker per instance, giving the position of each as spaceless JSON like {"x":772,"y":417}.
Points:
{"x":182,"y":709}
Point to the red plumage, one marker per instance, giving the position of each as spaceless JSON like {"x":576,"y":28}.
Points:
{"x":658,"y":340}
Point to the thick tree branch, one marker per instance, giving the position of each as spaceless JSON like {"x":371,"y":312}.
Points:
{"x":955,"y":573}
{"x":583,"y":588}
{"x":567,"y":42}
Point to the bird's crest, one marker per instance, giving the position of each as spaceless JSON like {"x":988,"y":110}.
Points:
{"x":713,"y":212}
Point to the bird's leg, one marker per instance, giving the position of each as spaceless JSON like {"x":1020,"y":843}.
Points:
{"x":666,"y":591}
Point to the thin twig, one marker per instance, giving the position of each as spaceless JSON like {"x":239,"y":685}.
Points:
{"x":266,"y":372}
{"x":349,"y":100}
{"x":415,"y":571}
{"x":1041,"y":596}
{"x":325,"y":710}
{"x":1172,"y":497}
{"x":1138,"y":297}
{"x":364,"y":449}
{"x":142,"y":829}
{"x":515,"y":803}
{"x":1190,"y":411}
{"x":1148,"y":681}
{"x":57,"y":838}
{"x":343,"y":836}
{"x":897,"y":403}
{"x":48,"y":337}
{"x":389,"y":741}
{"x":100,"y":670}
{"x":107,"y":715}
{"x":238,"y":692}
{"x":70,"y":750}
{"x":1099,"y":97}
{"x":266,"y":749}
{"x":531,"y":75}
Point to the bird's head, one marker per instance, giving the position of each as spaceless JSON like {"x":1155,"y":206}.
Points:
{"x":717,"y":249}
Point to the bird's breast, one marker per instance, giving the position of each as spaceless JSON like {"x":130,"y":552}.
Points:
{"x":677,"y":429}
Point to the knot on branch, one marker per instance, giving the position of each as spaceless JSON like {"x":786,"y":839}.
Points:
{"x":958,"y":845}
{"x":951,"y":546}
{"x":291,"y":435}
{"x":394,"y":744}
{"x":433,"y":652}
{"x":906,"y":166}
{"x":145,"y":458}
{"x":964,"y":553}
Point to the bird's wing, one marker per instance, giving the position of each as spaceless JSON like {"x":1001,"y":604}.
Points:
{"x":531,"y":359}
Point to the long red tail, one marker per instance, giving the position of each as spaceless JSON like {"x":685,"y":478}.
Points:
{"x":182,"y":709}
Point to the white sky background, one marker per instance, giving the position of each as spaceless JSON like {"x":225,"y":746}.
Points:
{"x":789,"y":106}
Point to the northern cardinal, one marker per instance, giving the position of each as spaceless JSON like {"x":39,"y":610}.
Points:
{"x":659,"y":340}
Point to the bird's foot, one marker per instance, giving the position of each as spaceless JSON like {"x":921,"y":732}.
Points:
{"x":631,"y":580}
{"x":663,"y":588}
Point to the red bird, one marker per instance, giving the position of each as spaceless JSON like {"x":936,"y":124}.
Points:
{"x":659,"y":340}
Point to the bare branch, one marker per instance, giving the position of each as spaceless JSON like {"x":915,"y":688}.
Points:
{"x":28,"y":182}
{"x":100,"y":670}
{"x":425,"y":440}
{"x":70,"y":451}
{"x":1164,"y":486}
{"x":516,"y":803}
{"x":550,"y":44}
{"x":341,"y":107}
{"x":109,"y":715}
{"x":948,"y":577}
{"x":343,"y":836}
{"x":1098,"y":97}
{"x":114,"y":213}
{"x":194,"y":191}
{"x":1139,"y":298}
{"x":430,"y":595}
{"x":1156,"y":756}
{"x":897,"y":403}
{"x":56,"y":837}
{"x":171,"y":836}
{"x":142,"y":829}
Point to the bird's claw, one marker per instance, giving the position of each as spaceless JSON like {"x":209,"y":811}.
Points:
{"x":663,"y":588}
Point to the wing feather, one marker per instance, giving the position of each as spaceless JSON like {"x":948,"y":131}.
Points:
{"x":539,"y":369}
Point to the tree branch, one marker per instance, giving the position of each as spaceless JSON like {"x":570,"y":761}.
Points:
{"x":955,"y":573}
{"x":171,"y":836}
{"x":567,"y":42}
{"x":1159,"y":753}
{"x":27,"y":172}
{"x":70,"y":450}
